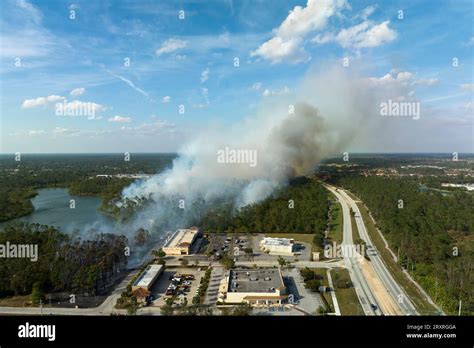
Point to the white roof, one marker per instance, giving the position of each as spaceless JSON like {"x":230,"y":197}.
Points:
{"x":277,"y":241}
{"x":148,"y":276}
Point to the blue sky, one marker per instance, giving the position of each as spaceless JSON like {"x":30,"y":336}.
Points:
{"x":47,"y":57}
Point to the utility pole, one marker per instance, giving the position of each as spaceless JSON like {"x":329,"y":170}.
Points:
{"x":460,"y":305}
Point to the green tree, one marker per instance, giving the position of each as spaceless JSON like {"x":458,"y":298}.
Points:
{"x":37,"y":293}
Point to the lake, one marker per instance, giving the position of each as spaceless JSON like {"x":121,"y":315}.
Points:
{"x":52,"y":208}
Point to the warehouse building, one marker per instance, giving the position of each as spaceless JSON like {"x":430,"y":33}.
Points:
{"x":255,"y":287}
{"x":278,"y":246}
{"x":181,"y":242}
{"x":148,"y":277}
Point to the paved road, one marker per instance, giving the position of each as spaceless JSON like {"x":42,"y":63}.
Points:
{"x":363,"y":291}
{"x":265,"y":263}
{"x":396,"y":292}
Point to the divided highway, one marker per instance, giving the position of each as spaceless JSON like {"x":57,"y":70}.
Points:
{"x":397,"y":293}
{"x":392,"y":295}
{"x":363,"y":291}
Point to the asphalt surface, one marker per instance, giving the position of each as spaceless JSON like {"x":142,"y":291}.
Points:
{"x":397,"y":293}
{"x":363,"y":291}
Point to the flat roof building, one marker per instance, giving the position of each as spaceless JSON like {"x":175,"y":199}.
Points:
{"x":261,"y":286}
{"x":148,"y":277}
{"x":181,"y":242}
{"x":278,"y":246}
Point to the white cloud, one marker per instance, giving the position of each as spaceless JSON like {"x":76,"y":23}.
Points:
{"x":323,"y":38}
{"x":120,"y":119}
{"x":130,"y":83}
{"x":157,"y":127}
{"x":277,"y":50}
{"x":40,"y":101}
{"x":426,"y":82}
{"x":66,"y":131}
{"x":77,"y":92}
{"x":362,"y":35}
{"x":166,"y":99}
{"x":287,"y":44}
{"x":467,"y":87}
{"x":269,"y":92}
{"x":171,"y":45}
{"x":205,"y":75}
{"x":366,"y":12}
{"x":33,"y":12}
{"x":402,"y":77}
{"x":302,"y":20}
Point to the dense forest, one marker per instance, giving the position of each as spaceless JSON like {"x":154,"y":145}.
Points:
{"x":432,"y":232}
{"x":301,"y":207}
{"x":20,"y":179}
{"x":63,"y":264}
{"x":15,"y":202}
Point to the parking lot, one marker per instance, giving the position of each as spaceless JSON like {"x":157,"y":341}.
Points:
{"x":159,"y":289}
{"x":233,"y":245}
{"x":302,"y":297}
{"x":213,"y":289}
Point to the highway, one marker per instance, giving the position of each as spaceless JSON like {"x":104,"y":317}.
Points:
{"x":395,"y":291}
{"x":363,"y":291}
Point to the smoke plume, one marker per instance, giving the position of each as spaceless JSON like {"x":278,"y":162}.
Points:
{"x":289,"y":136}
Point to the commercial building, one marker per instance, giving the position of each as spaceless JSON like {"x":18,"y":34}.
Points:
{"x":181,"y":242}
{"x":256,"y":287}
{"x":146,"y":280}
{"x":279,"y":246}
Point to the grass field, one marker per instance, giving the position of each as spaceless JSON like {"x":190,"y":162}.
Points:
{"x":335,"y":232}
{"x":16,"y":301}
{"x":326,"y":296}
{"x":355,"y":231}
{"x":346,"y":297}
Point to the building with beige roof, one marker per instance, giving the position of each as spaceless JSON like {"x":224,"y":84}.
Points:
{"x":181,"y":242}
{"x":257,"y":287}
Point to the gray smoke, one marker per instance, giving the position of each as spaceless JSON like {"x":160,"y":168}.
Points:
{"x":331,"y":110}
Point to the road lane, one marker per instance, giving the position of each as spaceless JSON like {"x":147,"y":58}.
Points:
{"x":363,"y":291}
{"x":396,"y":292}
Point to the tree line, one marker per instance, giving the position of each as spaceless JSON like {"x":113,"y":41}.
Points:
{"x":63,"y":264}
{"x":297,"y":208}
